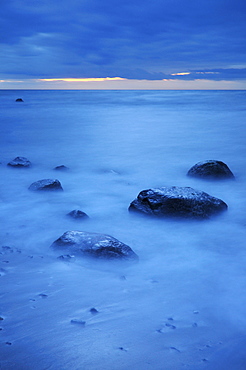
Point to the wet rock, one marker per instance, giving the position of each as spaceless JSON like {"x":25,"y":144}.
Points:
{"x":20,"y":162}
{"x":211,"y":169}
{"x":65,"y":257}
{"x":78,"y":322}
{"x":46,"y":184}
{"x":61,"y":168}
{"x":177,"y":202}
{"x":94,"y":311}
{"x":93,"y":244}
{"x":42,"y":295}
{"x":19,"y":100}
{"x":76,"y":213}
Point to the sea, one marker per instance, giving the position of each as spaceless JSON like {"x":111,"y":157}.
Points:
{"x":182,"y":305}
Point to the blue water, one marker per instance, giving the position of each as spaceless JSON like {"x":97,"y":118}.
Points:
{"x":190,"y":274}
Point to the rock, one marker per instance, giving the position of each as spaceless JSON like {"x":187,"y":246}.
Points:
{"x":78,"y":322}
{"x":177,"y":202}
{"x":46,"y":184}
{"x":211,"y":169}
{"x":94,"y":311}
{"x":20,"y":162}
{"x":76,"y":213}
{"x":61,"y":168}
{"x":93,"y":244}
{"x":19,"y":100}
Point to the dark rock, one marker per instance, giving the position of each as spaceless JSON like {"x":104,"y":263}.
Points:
{"x":76,"y":213}
{"x":211,"y":169}
{"x":46,"y":184}
{"x":94,"y":311}
{"x":93,"y":244}
{"x":19,"y":100}
{"x":78,"y":322}
{"x":42,"y":295}
{"x":65,"y":257}
{"x":177,"y":202}
{"x":61,"y":168}
{"x":20,"y":162}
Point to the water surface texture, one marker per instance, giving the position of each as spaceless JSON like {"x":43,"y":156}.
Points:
{"x":182,"y":305}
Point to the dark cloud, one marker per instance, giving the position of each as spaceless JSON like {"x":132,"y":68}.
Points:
{"x":131,"y":39}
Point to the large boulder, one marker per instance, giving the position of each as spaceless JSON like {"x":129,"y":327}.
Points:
{"x":211,"y":169}
{"x":93,"y":244}
{"x":20,"y":162}
{"x":177,"y":202}
{"x":46,"y":184}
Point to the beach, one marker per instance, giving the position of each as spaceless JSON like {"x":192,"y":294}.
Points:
{"x":182,"y":304}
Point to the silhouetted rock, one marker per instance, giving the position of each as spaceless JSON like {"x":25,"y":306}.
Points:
{"x":93,"y":244}
{"x":177,"y":202}
{"x":76,"y":213}
{"x":211,"y":169}
{"x":46,"y":184}
{"x":20,"y":162}
{"x":19,"y":100}
{"x":61,"y":168}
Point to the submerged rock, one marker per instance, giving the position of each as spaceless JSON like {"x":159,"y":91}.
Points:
{"x":20,"y":162}
{"x":177,"y":202}
{"x":76,"y":213}
{"x":61,"y":168}
{"x":93,"y":244}
{"x":46,"y":184}
{"x":211,"y":169}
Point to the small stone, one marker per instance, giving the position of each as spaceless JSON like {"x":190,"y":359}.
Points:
{"x":20,"y":162}
{"x":170,"y":326}
{"x":46,"y":184}
{"x":65,"y":257}
{"x":78,"y":322}
{"x":61,"y":168}
{"x":42,"y":295}
{"x":123,"y":349}
{"x":7,"y":248}
{"x":175,"y":349}
{"x":76,"y":213}
{"x":19,"y":100}
{"x":94,"y":311}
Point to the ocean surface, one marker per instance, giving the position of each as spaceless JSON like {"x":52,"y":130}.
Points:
{"x":182,"y":306}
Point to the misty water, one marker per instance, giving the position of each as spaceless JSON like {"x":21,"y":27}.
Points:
{"x":182,"y":305}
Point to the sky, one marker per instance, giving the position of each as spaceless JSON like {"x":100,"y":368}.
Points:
{"x":116,"y":44}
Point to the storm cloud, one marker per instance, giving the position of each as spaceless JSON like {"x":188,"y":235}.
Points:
{"x":168,"y":39}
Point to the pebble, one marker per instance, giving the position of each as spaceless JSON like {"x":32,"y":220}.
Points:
{"x":78,"y":322}
{"x":94,"y":311}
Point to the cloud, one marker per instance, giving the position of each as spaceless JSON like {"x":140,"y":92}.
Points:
{"x":134,"y":40}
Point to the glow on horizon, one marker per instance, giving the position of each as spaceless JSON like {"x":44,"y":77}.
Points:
{"x":180,"y":74}
{"x":96,"y":79}
{"x":119,"y":83}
